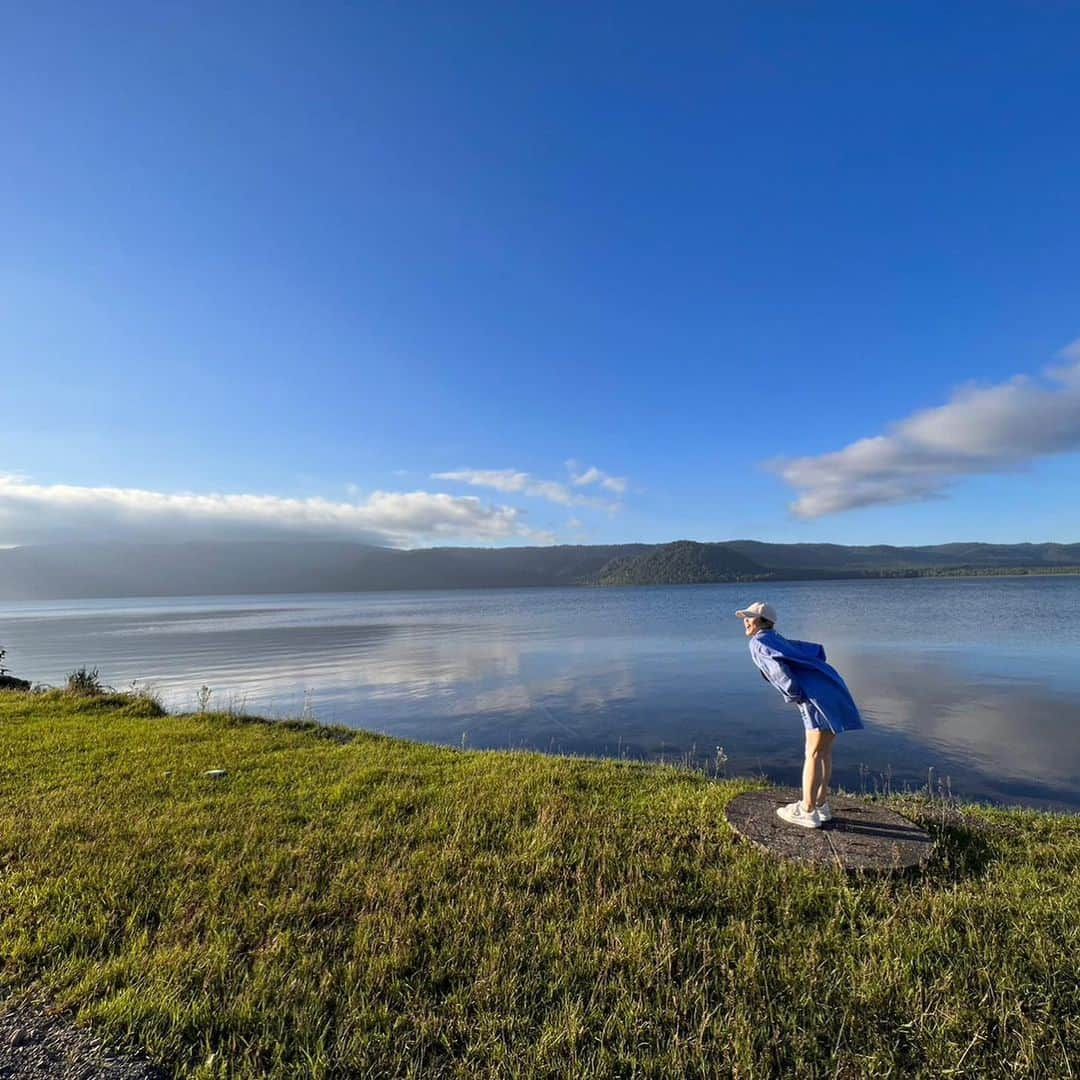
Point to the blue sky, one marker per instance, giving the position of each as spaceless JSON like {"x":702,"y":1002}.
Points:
{"x":517,"y":273}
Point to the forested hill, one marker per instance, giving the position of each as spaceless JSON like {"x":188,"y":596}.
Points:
{"x":683,"y":562}
{"x":686,"y":562}
{"x":194,"y":569}
{"x":833,"y":557}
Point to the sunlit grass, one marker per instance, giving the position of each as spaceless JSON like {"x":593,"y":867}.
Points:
{"x":361,"y":906}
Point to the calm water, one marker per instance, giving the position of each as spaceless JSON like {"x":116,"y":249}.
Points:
{"x":977,"y":679}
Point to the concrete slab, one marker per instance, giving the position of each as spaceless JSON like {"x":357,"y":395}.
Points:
{"x":861,"y":835}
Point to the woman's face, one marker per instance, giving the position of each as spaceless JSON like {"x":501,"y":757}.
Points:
{"x":751,"y":626}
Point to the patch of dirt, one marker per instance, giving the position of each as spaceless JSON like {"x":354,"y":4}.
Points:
{"x":36,"y":1045}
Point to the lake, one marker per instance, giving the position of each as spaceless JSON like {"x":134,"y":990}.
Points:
{"x":976,"y":679}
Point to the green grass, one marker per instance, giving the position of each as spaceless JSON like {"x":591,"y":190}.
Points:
{"x":367,"y":907}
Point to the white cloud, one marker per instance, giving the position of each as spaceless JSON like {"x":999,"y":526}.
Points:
{"x":510,"y":480}
{"x":34,"y":513}
{"x":982,"y":430}
{"x":592,"y":475}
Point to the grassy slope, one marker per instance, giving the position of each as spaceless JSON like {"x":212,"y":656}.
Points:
{"x":380,"y":908}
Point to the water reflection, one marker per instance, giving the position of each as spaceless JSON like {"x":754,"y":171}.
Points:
{"x":1001,"y":738}
{"x":640,"y":673}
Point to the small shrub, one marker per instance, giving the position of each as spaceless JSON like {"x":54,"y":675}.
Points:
{"x":145,"y":692}
{"x":84,"y":681}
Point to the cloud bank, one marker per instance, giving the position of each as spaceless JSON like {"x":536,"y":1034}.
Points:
{"x":511,"y":480}
{"x":33,"y":514}
{"x":981,"y":430}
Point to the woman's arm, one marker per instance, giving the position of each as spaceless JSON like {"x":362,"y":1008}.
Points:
{"x":779,"y":674}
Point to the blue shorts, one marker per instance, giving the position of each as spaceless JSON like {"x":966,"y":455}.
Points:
{"x":813,"y":719}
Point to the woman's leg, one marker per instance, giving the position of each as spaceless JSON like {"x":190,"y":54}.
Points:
{"x":818,"y":748}
{"x":821,"y":794}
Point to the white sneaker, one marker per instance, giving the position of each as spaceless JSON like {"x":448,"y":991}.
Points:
{"x":825,"y":812}
{"x":795,"y":813}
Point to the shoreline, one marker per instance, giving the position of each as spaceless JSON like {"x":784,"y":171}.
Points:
{"x":885,"y":784}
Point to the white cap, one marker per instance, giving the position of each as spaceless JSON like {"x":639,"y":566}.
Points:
{"x":758,"y":610}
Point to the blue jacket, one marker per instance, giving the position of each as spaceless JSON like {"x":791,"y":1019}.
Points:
{"x":798,"y":670}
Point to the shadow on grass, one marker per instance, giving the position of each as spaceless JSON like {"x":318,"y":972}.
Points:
{"x":104,"y":701}
{"x":962,"y":845}
{"x":309,"y":727}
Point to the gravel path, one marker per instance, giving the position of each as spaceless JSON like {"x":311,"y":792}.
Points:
{"x":37,"y":1046}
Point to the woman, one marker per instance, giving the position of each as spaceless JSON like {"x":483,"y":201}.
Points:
{"x":798,"y":670}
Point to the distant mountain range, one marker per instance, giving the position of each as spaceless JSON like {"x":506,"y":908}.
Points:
{"x":197,"y":569}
